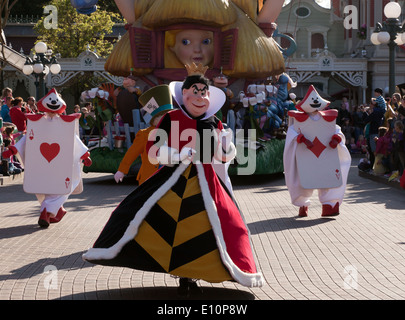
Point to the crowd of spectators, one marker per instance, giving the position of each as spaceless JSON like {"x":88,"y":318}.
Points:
{"x":13,"y":125}
{"x":375,"y":130}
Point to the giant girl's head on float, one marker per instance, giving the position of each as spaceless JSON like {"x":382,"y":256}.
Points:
{"x":191,"y":46}
{"x":195,"y":96}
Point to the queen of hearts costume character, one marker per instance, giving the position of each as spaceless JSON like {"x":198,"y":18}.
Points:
{"x":315,"y":156}
{"x":183,"y":220}
{"x":52,"y":153}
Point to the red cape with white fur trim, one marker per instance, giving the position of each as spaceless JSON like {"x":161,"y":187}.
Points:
{"x":182,"y":221}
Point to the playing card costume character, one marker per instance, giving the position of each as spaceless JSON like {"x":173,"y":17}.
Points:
{"x":52,"y":153}
{"x":315,"y":155}
{"x":182,"y":220}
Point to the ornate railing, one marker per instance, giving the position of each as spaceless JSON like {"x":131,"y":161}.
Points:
{"x":23,"y":18}
{"x":35,"y":18}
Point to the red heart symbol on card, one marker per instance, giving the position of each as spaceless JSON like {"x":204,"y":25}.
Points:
{"x":49,"y":151}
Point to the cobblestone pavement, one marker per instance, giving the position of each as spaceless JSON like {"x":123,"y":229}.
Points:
{"x":356,"y":255}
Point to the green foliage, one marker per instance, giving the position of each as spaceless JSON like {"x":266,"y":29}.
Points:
{"x":36,"y":7}
{"x":108,"y":5}
{"x":77,"y":31}
{"x":106,"y":160}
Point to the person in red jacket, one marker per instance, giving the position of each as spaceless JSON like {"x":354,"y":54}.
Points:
{"x":17,"y":116}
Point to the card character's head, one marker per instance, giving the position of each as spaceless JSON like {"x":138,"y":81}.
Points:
{"x":52,"y":103}
{"x":312,"y":101}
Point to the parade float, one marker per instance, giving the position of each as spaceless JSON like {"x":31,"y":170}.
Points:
{"x":234,"y":38}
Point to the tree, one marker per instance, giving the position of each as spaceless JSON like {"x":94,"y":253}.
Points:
{"x":77,"y":32}
{"x":36,"y":7}
{"x":5,"y":9}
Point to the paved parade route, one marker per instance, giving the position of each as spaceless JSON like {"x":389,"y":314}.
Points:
{"x":356,"y":255}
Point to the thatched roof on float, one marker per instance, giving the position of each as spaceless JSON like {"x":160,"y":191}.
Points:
{"x":257,"y":56}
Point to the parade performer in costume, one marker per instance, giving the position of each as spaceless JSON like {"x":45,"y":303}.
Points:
{"x":128,"y":98}
{"x":221,"y":81}
{"x":161,"y":104}
{"x":315,"y":156}
{"x":182,"y":220}
{"x":52,"y":153}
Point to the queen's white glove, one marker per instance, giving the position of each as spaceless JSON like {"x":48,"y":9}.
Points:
{"x":225,"y":138}
{"x":226,"y":150}
{"x":186,"y":155}
{"x":168,"y":156}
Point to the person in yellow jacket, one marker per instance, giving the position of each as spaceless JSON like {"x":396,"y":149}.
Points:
{"x":156,"y":101}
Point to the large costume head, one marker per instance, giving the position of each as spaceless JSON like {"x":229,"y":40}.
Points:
{"x":195,"y":96}
{"x":312,"y":101}
{"x":220,"y":80}
{"x":193,"y":46}
{"x":52,"y":103}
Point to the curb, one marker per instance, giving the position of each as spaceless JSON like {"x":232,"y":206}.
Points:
{"x":380,"y":179}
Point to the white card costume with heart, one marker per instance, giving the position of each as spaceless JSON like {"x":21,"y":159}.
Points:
{"x":51,"y":152}
{"x":320,"y":167}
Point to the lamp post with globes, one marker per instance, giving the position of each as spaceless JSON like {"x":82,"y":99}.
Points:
{"x":390,"y":32}
{"x":40,"y":65}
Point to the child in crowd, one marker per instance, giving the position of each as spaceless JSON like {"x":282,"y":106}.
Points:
{"x":353,"y":146}
{"x":7,"y":134}
{"x":348,"y":131}
{"x":379,"y":100}
{"x":361,"y":144}
{"x":381,"y":152}
{"x":10,"y":165}
{"x":398,"y":150}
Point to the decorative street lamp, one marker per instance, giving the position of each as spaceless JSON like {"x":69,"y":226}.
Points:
{"x":40,"y":65}
{"x":390,"y":32}
{"x":84,"y":6}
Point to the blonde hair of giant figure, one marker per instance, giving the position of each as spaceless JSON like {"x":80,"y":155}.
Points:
{"x":256,"y":54}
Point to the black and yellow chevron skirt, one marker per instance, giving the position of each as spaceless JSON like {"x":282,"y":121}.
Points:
{"x":175,"y":237}
{"x":177,"y":234}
